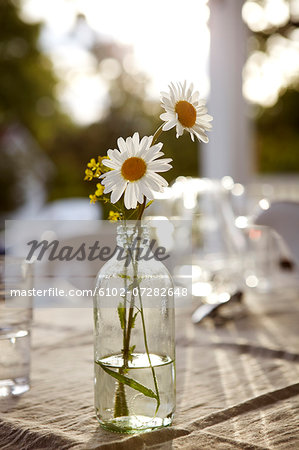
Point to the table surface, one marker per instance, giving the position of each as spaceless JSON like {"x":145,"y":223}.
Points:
{"x":237,"y":383}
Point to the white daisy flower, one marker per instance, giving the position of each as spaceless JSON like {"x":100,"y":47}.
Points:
{"x":134,"y":170}
{"x":185,"y":111}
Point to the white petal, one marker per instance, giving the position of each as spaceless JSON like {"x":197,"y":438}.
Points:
{"x":179,"y":129}
{"x":110,"y":163}
{"x":194,"y":97}
{"x":168,"y":125}
{"x":138,"y":192}
{"x":110,"y":186}
{"x":121,"y":144}
{"x":130,"y":147}
{"x":176,"y":90}
{"x":149,"y":140}
{"x":157,"y":155}
{"x":157,"y":147}
{"x":130,"y":197}
{"x":117,"y":192}
{"x":150,"y":154}
{"x":152,"y":176}
{"x":166,"y":116}
{"x":113,"y":175}
{"x":201,"y":136}
{"x":201,"y":111}
{"x":168,"y":104}
{"x":151,"y":183}
{"x":203,"y":125}
{"x":114,"y":155}
{"x":159,"y":166}
{"x":199,"y":104}
{"x":147,"y":155}
{"x":135,"y":140}
{"x":190,"y":90}
{"x":143,"y":144}
{"x":207,"y":117}
{"x":145,"y":189}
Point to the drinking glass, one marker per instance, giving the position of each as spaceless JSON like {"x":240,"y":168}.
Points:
{"x":15,"y":325}
{"x":216,"y":242}
{"x":261,"y":259}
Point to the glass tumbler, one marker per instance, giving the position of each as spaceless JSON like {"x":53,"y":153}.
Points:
{"x":15,"y":325}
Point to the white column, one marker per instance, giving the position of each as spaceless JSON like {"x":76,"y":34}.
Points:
{"x":229,"y":151}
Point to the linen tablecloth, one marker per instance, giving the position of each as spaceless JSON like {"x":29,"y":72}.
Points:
{"x":237,"y":384}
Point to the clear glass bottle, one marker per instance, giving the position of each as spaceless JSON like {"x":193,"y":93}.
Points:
{"x":134,"y":347}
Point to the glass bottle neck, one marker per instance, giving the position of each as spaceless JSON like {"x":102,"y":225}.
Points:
{"x":133,"y":236}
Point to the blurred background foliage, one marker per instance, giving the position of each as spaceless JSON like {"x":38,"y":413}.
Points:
{"x":277,"y":135}
{"x":28,"y":102}
{"x":38,"y":138}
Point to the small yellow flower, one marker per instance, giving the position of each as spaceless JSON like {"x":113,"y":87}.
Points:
{"x":101,"y":165}
{"x":96,"y":169}
{"x":113,"y":216}
{"x":97,"y":173}
{"x":92,"y":164}
{"x":93,"y":198}
{"x":100,"y":190}
{"x":88,"y":175}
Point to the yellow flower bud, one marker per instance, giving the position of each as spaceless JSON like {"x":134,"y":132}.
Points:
{"x":93,"y":198}
{"x":113,"y":216}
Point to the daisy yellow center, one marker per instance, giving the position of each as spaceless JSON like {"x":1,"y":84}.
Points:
{"x":186,"y":113}
{"x":133,"y":169}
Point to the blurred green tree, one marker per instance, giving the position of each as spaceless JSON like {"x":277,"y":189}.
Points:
{"x":27,"y":79}
{"x":277,"y":126}
{"x":28,"y":98}
{"x":28,"y":107}
{"x":278,"y":152}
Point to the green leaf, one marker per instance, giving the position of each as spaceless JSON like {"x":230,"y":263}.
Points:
{"x":129,"y":382}
{"x":131,"y":350}
{"x":133,"y":320}
{"x":121,"y":314}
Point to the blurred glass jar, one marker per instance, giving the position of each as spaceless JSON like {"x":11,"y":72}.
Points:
{"x":217,"y":244}
{"x":261,"y":262}
{"x":15,"y":325}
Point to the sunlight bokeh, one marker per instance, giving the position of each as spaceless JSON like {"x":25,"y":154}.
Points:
{"x":260,"y":17}
{"x":159,"y":33}
{"x":267,"y":73}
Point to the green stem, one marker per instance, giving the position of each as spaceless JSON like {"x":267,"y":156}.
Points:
{"x":120,"y":403}
{"x":142,"y":208}
{"x":120,"y":407}
{"x":155,"y":137}
{"x":125,"y":315}
{"x":127,"y":336}
{"x":147,"y":351}
{"x":135,"y":267}
{"x":157,"y":134}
